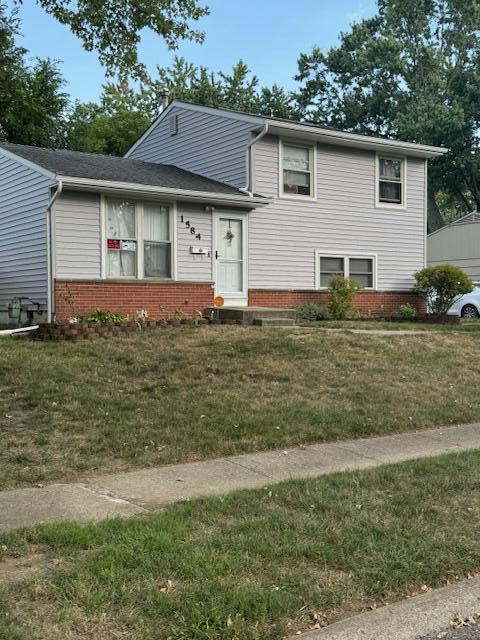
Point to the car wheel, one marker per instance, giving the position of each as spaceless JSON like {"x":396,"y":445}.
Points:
{"x":470,"y":311}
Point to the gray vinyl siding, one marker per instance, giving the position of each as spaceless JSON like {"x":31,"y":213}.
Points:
{"x":197,"y":268}
{"x":457,"y":244}
{"x":209,"y":144}
{"x":24,"y":198}
{"x":284,"y":235}
{"x":77,"y":248}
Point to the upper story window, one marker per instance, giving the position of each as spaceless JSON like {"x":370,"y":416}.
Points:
{"x":138,"y":240}
{"x":297,"y":170}
{"x":391,"y":181}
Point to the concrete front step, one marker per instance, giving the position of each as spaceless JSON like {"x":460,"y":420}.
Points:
{"x":247,"y":315}
{"x":274,"y":322}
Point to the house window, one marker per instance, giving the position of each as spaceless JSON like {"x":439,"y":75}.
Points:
{"x":297,"y":170}
{"x":121,"y":239}
{"x":358,"y":268}
{"x":157,"y":245}
{"x":138,"y":241}
{"x":330,"y":267}
{"x":391,"y":180}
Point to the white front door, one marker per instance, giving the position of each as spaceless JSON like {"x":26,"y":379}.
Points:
{"x":230,"y":258}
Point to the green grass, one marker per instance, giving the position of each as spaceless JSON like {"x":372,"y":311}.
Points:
{"x":73,"y":409}
{"x":254,"y":565}
{"x":465,"y":326}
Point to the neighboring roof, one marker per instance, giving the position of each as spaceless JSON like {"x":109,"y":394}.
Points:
{"x":470,"y":218}
{"x":91,"y":166}
{"x":283,"y":126}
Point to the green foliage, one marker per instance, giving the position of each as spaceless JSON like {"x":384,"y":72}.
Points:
{"x":104,"y":316}
{"x":342,"y":292}
{"x":113,"y":29}
{"x":406,"y":311}
{"x":412,"y":71}
{"x":112,"y":126}
{"x":32,"y":103}
{"x":312,"y":311}
{"x":441,"y":285}
{"x":238,"y":89}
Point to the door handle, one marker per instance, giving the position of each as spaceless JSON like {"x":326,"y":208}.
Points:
{"x":216,"y":255}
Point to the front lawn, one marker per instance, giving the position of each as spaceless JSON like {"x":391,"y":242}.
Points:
{"x":254,"y":565}
{"x":71,"y":409}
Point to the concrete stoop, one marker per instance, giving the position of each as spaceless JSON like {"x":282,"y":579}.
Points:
{"x":259,"y":316}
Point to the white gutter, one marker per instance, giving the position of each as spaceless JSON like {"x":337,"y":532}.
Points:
{"x":57,"y":193}
{"x":12,"y":332}
{"x":186,"y":195}
{"x":248,"y":160}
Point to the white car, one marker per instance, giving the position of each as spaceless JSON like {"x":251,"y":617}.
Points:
{"x":468,"y":306}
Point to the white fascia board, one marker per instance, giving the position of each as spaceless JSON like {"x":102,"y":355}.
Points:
{"x":28,"y":163}
{"x":89,"y":184}
{"x":345,"y":139}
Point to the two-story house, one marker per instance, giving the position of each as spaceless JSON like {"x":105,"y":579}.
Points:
{"x":213,"y":203}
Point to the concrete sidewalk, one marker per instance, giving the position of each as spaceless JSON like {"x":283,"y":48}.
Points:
{"x":412,"y":619}
{"x":140,"y":492}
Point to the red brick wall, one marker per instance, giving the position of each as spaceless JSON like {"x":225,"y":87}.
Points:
{"x":126,"y":297}
{"x":368,"y":302}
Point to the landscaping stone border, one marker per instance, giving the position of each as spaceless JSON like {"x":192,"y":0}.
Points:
{"x":90,"y":330}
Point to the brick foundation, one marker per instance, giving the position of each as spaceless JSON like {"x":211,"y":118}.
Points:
{"x":375,"y":303}
{"x":127,"y":297}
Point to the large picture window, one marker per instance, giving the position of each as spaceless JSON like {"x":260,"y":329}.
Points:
{"x":391,"y":181}
{"x":121,"y":239}
{"x":358,"y":268}
{"x":297,"y":171}
{"x":157,"y":246}
{"x":138,"y":240}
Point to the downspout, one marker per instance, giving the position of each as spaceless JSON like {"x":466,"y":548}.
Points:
{"x":248,"y":159}
{"x":54,"y":197}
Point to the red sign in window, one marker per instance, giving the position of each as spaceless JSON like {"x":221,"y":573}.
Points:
{"x":113,"y":244}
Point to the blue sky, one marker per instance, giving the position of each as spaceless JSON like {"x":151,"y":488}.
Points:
{"x":268,"y":37}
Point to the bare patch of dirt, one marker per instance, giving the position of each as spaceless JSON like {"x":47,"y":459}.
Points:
{"x":18,"y":569}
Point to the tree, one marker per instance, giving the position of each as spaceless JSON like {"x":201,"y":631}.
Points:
{"x":412,"y":72}
{"x":112,"y":126}
{"x":113,"y":28}
{"x":441,"y":286}
{"x":237,"y":90}
{"x":32,"y":103}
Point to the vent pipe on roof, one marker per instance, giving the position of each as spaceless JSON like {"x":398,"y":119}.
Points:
{"x":164,"y":98}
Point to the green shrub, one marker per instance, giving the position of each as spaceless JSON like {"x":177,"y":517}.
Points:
{"x":104,"y":316}
{"x":406,"y":311}
{"x":312,"y":311}
{"x":342,"y":291}
{"x":441,"y":286}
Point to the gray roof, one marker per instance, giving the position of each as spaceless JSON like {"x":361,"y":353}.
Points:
{"x":97,"y":167}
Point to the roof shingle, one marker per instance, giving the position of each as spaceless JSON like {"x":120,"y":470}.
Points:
{"x":98,"y":167}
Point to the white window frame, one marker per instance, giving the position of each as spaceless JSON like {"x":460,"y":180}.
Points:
{"x":312,"y":149}
{"x":347,"y":255}
{"x":139,"y":213}
{"x":379,"y":204}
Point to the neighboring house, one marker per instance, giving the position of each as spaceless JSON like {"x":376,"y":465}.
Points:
{"x":457,"y":243}
{"x":211,"y":202}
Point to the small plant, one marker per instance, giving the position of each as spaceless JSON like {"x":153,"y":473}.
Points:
{"x":312,"y":311}
{"x":406,"y":311}
{"x":342,"y":292}
{"x":441,"y":286}
{"x":104,"y":316}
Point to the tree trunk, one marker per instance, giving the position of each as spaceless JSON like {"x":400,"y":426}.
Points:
{"x":434,"y":217}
